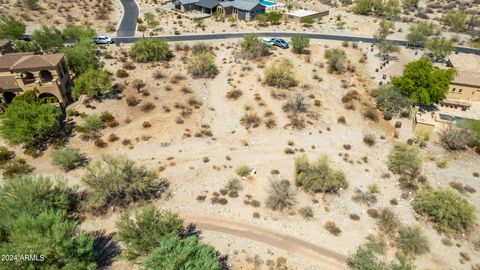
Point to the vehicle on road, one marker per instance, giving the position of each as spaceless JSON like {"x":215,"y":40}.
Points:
{"x":103,"y":40}
{"x":280,"y":43}
{"x":268,"y":41}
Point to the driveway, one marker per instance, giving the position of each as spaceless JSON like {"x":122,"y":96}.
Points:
{"x":129,"y":21}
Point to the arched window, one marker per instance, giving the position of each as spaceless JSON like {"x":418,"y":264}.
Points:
{"x":46,"y":76}
{"x":8,"y":96}
{"x":27,"y":77}
{"x":47,"y":98}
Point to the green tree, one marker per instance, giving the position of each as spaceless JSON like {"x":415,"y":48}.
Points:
{"x":336,"y":59}
{"x":81,"y":56}
{"x":50,"y":39}
{"x":274,"y":17}
{"x":456,"y":20}
{"x":318,"y":176}
{"x":252,"y":47}
{"x":76,"y":33}
{"x":419,"y":32}
{"x":11,"y":28}
{"x":412,"y":240}
{"x":202,"y":66}
{"x":148,"y":50}
{"x":93,"y":83}
{"x":390,"y":101}
{"x":24,"y":123}
{"x":143,"y":231}
{"x":446,"y":208}
{"x":405,"y":159}
{"x":26,"y":46}
{"x":307,"y":21}
{"x":182,"y":254}
{"x":67,"y":158}
{"x":439,"y":47}
{"x":422,"y":83}
{"x":385,"y":28}
{"x":118,"y":181}
{"x":300,"y":44}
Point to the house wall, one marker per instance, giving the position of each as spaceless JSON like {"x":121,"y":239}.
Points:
{"x":298,"y":18}
{"x":464,"y":92}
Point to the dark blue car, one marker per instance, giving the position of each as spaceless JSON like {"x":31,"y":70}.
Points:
{"x":280,"y":43}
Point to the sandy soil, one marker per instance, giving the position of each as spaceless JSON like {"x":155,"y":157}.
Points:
{"x":200,"y":166}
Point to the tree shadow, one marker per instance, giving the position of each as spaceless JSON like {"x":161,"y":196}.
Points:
{"x":105,"y":248}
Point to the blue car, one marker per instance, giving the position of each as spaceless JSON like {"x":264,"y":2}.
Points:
{"x":280,"y":43}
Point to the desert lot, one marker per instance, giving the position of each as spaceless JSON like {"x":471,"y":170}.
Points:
{"x":177,"y":142}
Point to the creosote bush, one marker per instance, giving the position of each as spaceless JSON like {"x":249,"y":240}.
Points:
{"x":318,"y":176}
{"x":280,"y":74}
{"x":412,"y":240}
{"x":242,"y":170}
{"x":405,"y":159}
{"x":280,"y":196}
{"x":336,"y":59}
{"x":202,"y":65}
{"x":252,"y":47}
{"x":148,"y":50}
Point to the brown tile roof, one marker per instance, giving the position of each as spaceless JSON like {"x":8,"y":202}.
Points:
{"x":37,"y":61}
{"x":466,"y":62}
{"x":8,"y":83}
{"x":467,"y":77}
{"x":7,"y":60}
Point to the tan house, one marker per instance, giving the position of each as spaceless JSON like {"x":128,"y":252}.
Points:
{"x":48,"y":73}
{"x":466,"y":85}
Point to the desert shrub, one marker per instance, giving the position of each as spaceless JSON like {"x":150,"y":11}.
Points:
{"x":388,"y":222}
{"x":354,"y":217}
{"x":250,"y":120}
{"x":318,"y":176}
{"x":200,"y":48}
{"x":90,"y":126}
{"x":390,"y":101}
{"x":242,"y":170}
{"x":234,"y":94}
{"x":446,"y":208}
{"x":373,"y":188}
{"x":405,"y":159}
{"x":122,"y":73}
{"x":454,"y":138}
{"x":300,"y":44}
{"x":369,"y":139}
{"x":234,"y":184}
{"x":412,"y":240}
{"x":331,"y":227}
{"x":252,"y":47}
{"x":306,"y":212}
{"x":143,"y":230}
{"x":364,"y":259}
{"x":336,"y":59}
{"x":132,"y":101}
{"x":148,"y":106}
{"x":366,"y":197}
{"x":118,"y":181}
{"x":67,"y":158}
{"x":373,"y":213}
{"x":148,"y":50}
{"x":5,"y":155}
{"x":297,"y":104}
{"x":202,"y":65}
{"x":371,"y":113}
{"x":280,"y":74}
{"x":108,"y":119}
{"x":174,"y":252}
{"x":280,"y":196}
{"x":16,"y":167}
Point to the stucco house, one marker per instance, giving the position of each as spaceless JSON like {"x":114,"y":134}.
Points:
{"x":466,"y":84}
{"x":245,"y":10}
{"x":48,"y":73}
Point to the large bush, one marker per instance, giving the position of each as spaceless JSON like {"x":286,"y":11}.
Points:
{"x":280,"y":196}
{"x":412,"y":240}
{"x":202,"y":65}
{"x":11,"y":28}
{"x":176,"y":253}
{"x":118,"y":181}
{"x":50,"y":39}
{"x":280,"y":74}
{"x":336,"y":59}
{"x":24,"y":123}
{"x":390,"y":101}
{"x":252,"y":47}
{"x":144,"y":230}
{"x":81,"y":57}
{"x":147,"y":50}
{"x":67,"y":158}
{"x":446,"y":208}
{"x":300,"y":43}
{"x":90,"y":126}
{"x":405,"y":159}
{"x":93,"y":83}
{"x":318,"y":176}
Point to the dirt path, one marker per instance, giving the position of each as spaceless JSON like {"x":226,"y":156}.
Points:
{"x":322,"y":256}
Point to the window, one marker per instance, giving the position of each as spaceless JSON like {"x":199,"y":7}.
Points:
{"x":459,"y":91}
{"x":453,"y":90}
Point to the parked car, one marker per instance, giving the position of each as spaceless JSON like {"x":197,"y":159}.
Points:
{"x":103,"y":40}
{"x":280,"y":43}
{"x":268,"y":41}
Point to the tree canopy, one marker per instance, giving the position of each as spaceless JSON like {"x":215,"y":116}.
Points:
{"x":81,"y":56}
{"x":147,"y":50}
{"x":11,"y":28}
{"x":26,"y":123}
{"x":422,"y":83}
{"x":76,"y":33}
{"x":92,"y":83}
{"x":50,"y":39}
{"x":439,"y":47}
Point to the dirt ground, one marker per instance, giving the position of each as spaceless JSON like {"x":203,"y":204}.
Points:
{"x":202,"y":165}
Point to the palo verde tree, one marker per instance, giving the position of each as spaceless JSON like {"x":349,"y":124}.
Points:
{"x":300,"y":44}
{"x":76,"y":33}
{"x":439,"y":47}
{"x":422,"y":83}
{"x":11,"y":28}
{"x":93,"y":83}
{"x":81,"y":56}
{"x":419,"y":32}
{"x":24,"y":123}
{"x":50,"y":39}
{"x":148,"y":50}
{"x":384,"y":30}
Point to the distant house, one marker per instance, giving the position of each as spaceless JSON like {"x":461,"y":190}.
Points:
{"x":6,"y":46}
{"x":299,"y":14}
{"x":48,"y":73}
{"x":245,"y":10}
{"x":466,"y":84}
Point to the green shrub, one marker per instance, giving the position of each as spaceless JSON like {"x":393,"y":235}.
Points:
{"x":148,"y":50}
{"x":202,"y":65}
{"x":143,"y":230}
{"x":187,"y":253}
{"x":252,"y":47}
{"x":200,"y":48}
{"x":118,"y":181}
{"x":336,"y":59}
{"x":242,"y":170}
{"x":122,"y":73}
{"x":373,"y":188}
{"x":11,"y":28}
{"x":16,"y":167}
{"x":90,"y":126}
{"x":412,"y":240}
{"x":306,"y":212}
{"x":390,"y":100}
{"x":234,"y":184}
{"x":5,"y":155}
{"x":94,"y":83}
{"x":280,"y":74}
{"x":388,"y":222}
{"x":318,"y":176}
{"x":300,"y":43}
{"x":405,"y":159}
{"x":67,"y":158}
{"x":446,"y":208}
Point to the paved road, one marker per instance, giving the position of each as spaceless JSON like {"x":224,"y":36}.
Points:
{"x":215,"y":36}
{"x":324,"y":258}
{"x":129,"y":21}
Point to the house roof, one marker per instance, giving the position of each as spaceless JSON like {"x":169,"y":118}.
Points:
{"x":8,"y":83}
{"x":467,"y":78}
{"x":37,"y":61}
{"x":207,"y":3}
{"x":7,"y":60}
{"x":245,"y":4}
{"x":467,"y":62}
{"x":187,"y":2}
